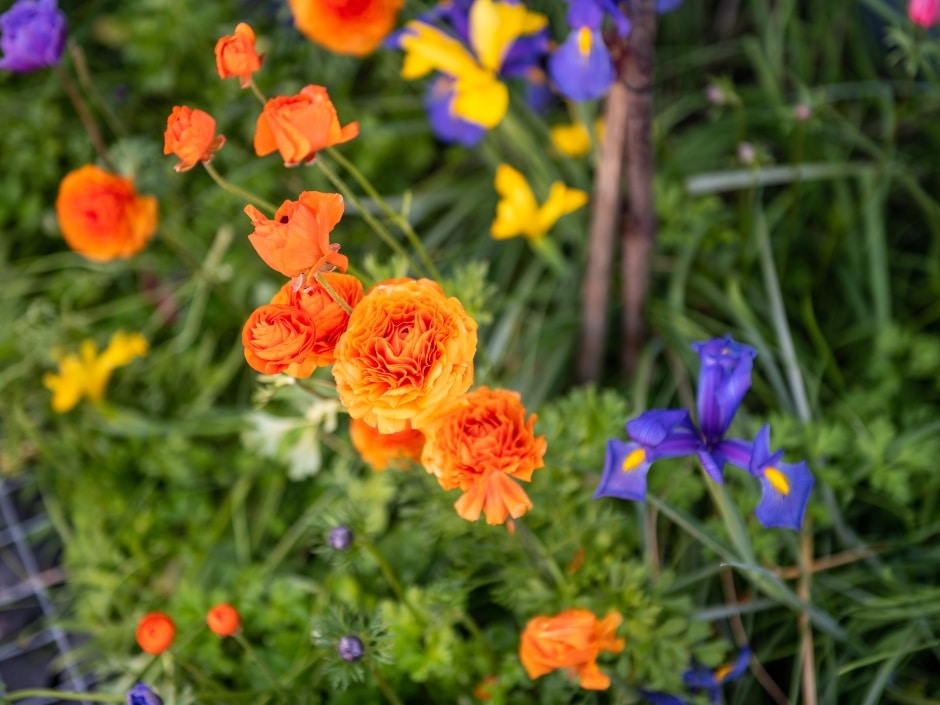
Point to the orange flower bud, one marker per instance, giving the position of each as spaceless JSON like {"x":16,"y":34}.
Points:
{"x":571,"y":640}
{"x":280,"y":339}
{"x":353,"y":27}
{"x":478,"y":447}
{"x":386,"y":450}
{"x":101,"y":215}
{"x":155,"y":632}
{"x":330,"y":318}
{"x":297,"y":240}
{"x":190,"y":135}
{"x":235,"y":55}
{"x":298,"y":126}
{"x":223,"y":620}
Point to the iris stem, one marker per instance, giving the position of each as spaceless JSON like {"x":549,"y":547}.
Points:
{"x":226,"y":185}
{"x":394,"y":215}
{"x":332,"y":292}
{"x":59,"y":695}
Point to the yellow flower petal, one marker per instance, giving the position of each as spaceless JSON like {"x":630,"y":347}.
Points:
{"x":480,"y":98}
{"x":517,"y":206}
{"x":561,"y":201}
{"x":428,"y":49}
{"x":494,"y":26}
{"x":572,"y":140}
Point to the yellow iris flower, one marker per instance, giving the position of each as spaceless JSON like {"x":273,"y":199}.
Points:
{"x":87,"y":373}
{"x":518,"y":213}
{"x":479,"y":96}
{"x":574,"y":140}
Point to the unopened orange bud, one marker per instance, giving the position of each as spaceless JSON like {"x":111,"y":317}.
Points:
{"x":223,"y":620}
{"x":155,"y":632}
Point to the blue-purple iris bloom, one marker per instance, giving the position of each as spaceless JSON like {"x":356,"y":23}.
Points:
{"x":723,"y":381}
{"x":32,"y":35}
{"x":702,"y":678}
{"x":141,"y":694}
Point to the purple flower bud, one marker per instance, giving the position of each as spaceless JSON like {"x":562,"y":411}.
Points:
{"x":350,"y":648}
{"x":340,"y":538}
{"x":141,"y":694}
{"x":32,"y":35}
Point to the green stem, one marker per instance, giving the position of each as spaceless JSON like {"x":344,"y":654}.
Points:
{"x":85,"y":116}
{"x":59,"y":695}
{"x":333,"y":295}
{"x":536,"y":551}
{"x":390,"y":577}
{"x":226,"y":185}
{"x":258,"y":94}
{"x":394,"y":215}
{"x":249,"y":649}
{"x":383,"y":684}
{"x":379,"y":229}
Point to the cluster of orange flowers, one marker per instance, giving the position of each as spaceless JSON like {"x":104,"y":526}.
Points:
{"x":156,"y":631}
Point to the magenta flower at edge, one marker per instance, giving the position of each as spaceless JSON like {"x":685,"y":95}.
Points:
{"x":32,"y":35}
{"x":926,"y":13}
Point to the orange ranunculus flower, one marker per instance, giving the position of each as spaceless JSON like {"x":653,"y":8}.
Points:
{"x":406,"y":355}
{"x":190,"y":135}
{"x":223,"y":619}
{"x":478,"y":447}
{"x":297,"y":240}
{"x":386,"y":450}
{"x":329,"y":316}
{"x":280,"y":338}
{"x":101,"y":215}
{"x":235,"y":55}
{"x":298,"y":126}
{"x":155,"y":632}
{"x":353,"y":27}
{"x":571,"y":640}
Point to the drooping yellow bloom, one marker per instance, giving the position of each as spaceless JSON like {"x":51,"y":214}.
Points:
{"x":518,"y":213}
{"x":574,"y":140}
{"x":480,"y":96}
{"x":87,"y":373}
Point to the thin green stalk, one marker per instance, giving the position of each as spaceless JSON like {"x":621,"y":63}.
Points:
{"x":379,"y":229}
{"x":226,"y":185}
{"x":383,"y":684}
{"x":85,"y":116}
{"x":60,"y":695}
{"x":249,"y":649}
{"x":536,"y":551}
{"x":333,"y":295}
{"x":258,"y":94}
{"x":394,"y":215}
{"x":390,"y":577}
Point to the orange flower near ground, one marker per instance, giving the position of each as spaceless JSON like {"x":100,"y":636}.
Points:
{"x":406,"y":356}
{"x":299,"y":126}
{"x":386,"y":450}
{"x":223,"y":620}
{"x":101,"y":215}
{"x":190,"y":135}
{"x":571,"y":640}
{"x":330,"y":318}
{"x":479,"y":447}
{"x":235,"y":55}
{"x":280,"y":339}
{"x":355,"y":27}
{"x":155,"y":632}
{"x":297,"y":240}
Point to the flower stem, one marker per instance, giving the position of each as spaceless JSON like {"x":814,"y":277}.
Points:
{"x":536,"y":550}
{"x":332,"y":292}
{"x":258,"y":94}
{"x":390,"y":577}
{"x":383,"y":684}
{"x":394,"y":215}
{"x":85,"y":116}
{"x":226,"y":185}
{"x":249,"y":649}
{"x":60,"y":695}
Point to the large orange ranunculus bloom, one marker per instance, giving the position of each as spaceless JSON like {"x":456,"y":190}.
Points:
{"x":571,"y":640}
{"x":298,"y":126}
{"x":478,"y":447}
{"x":355,"y":27}
{"x":382,"y":451}
{"x":101,"y":215}
{"x":406,"y":356}
{"x":235,"y":55}
{"x":330,"y":318}
{"x":190,"y":135}
{"x":297,"y":240}
{"x":280,"y":339}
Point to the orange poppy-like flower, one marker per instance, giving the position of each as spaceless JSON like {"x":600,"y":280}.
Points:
{"x":479,"y":447}
{"x":223,"y":620}
{"x":280,"y":338}
{"x":298,"y":126}
{"x":235,"y":55}
{"x":386,"y":450}
{"x":297,"y":240}
{"x":572,"y":640}
{"x":355,"y":27}
{"x":190,"y":135}
{"x":155,"y":632}
{"x":406,"y":355}
{"x":101,"y":215}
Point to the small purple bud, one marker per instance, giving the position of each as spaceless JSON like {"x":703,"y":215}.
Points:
{"x":350,"y":648}
{"x":746,"y":153}
{"x":715,"y":95}
{"x":141,"y":694}
{"x":802,"y":112}
{"x":340,"y":538}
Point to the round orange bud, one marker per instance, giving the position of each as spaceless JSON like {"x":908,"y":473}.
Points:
{"x":223,"y":620}
{"x":155,"y":632}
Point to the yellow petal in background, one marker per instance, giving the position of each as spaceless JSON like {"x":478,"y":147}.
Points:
{"x":561,"y":201}
{"x":494,"y":26}
{"x":428,"y":49}
{"x":517,"y":207}
{"x":480,"y":98}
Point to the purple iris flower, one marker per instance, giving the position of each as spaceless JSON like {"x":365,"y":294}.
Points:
{"x":700,"y":677}
{"x":785,"y":487}
{"x":663,"y":6}
{"x":141,"y":694}
{"x":32,"y":35}
{"x":446,"y":126}
{"x":657,"y":698}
